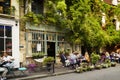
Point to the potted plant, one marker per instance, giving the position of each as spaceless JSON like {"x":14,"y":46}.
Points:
{"x":98,"y":66}
{"x":12,"y":10}
{"x":113,"y":64}
{"x":95,"y":58}
{"x":37,"y":55}
{"x":66,"y":52}
{"x":79,"y":69}
{"x":90,"y":67}
{"x":48,"y":61}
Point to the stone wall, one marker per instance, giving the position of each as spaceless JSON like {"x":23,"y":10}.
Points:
{"x":22,"y":47}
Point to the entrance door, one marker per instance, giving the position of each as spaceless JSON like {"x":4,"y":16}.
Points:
{"x":51,"y":49}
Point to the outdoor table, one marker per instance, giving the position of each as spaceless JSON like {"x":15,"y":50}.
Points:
{"x":39,"y":62}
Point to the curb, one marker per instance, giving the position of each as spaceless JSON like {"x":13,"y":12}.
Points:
{"x":44,"y":75}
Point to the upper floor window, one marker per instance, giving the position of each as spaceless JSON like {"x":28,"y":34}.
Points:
{"x":5,"y":6}
{"x":37,"y":6}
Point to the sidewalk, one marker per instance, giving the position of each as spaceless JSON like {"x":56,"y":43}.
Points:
{"x":58,"y":70}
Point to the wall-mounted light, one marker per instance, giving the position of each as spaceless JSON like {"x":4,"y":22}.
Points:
{"x":16,"y":23}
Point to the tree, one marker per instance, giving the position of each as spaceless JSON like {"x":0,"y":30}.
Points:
{"x":85,"y":26}
{"x":81,"y":20}
{"x":112,"y":15}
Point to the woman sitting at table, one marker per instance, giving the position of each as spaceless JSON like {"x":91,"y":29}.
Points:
{"x":6,"y":61}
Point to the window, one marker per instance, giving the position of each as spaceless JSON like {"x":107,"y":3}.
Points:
{"x":35,"y":42}
{"x":37,"y":6}
{"x":5,"y":6}
{"x":37,"y":39}
{"x":61,"y":42}
{"x":51,"y":37}
{"x":6,"y":38}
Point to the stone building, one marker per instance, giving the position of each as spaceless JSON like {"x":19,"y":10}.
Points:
{"x":9,"y":28}
{"x":41,"y":39}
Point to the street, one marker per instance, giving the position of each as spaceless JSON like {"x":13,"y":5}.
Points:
{"x":112,"y":73}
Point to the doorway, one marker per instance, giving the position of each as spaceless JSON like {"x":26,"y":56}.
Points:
{"x":51,"y":49}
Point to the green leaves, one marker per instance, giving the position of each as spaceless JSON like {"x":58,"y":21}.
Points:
{"x":81,"y":20}
{"x":33,"y":19}
{"x":117,"y":12}
{"x":95,"y":58}
{"x":84,"y":23}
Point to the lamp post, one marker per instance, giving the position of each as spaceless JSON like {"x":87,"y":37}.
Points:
{"x":53,"y":67}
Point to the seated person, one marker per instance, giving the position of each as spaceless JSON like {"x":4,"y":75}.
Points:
{"x":6,"y":58}
{"x":63,"y":59}
{"x":6,"y":61}
{"x":4,"y":72}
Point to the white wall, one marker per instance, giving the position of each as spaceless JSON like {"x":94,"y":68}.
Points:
{"x":117,"y":25}
{"x":15,"y":3}
{"x":114,"y":2}
{"x":15,"y":38}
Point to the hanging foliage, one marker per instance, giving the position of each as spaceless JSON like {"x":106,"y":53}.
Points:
{"x":33,"y":19}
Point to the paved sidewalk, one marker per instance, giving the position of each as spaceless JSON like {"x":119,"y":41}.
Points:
{"x":58,"y":70}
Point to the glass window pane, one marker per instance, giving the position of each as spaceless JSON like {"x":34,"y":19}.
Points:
{"x":8,"y":31}
{"x":35,"y":45}
{"x":9,"y":46}
{"x":37,"y":42}
{"x":6,"y":6}
{"x":61,"y":37}
{"x":1,"y":45}
{"x":51,"y":37}
{"x":1,"y":31}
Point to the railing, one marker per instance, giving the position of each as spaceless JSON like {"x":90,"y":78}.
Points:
{"x":8,"y":10}
{"x":7,"y":16}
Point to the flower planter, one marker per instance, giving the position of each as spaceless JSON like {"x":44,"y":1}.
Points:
{"x":98,"y":67}
{"x":79,"y":70}
{"x":49,"y":66}
{"x":113,"y":64}
{"x":49,"y":61}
